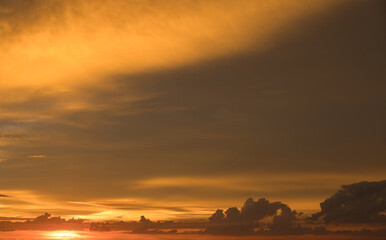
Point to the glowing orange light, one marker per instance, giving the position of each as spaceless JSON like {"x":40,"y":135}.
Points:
{"x":63,"y":235}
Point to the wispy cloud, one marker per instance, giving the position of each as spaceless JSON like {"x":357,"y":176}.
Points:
{"x":75,"y":40}
{"x":38,"y":156}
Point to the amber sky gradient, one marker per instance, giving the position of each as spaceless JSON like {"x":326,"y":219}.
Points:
{"x":172,"y":109}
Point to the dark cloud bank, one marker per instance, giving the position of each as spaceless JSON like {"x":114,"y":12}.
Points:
{"x":358,"y":203}
{"x":363,"y":203}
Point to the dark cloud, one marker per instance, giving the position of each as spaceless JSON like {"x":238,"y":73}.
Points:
{"x":244,"y":221}
{"x":22,"y":16}
{"x":252,"y":211}
{"x":255,"y":211}
{"x":363,"y":202}
{"x":43,"y":222}
{"x":2,"y":195}
{"x":217,"y":217}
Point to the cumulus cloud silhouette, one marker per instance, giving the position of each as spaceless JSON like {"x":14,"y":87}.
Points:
{"x":252,"y":211}
{"x":244,"y":221}
{"x":218,"y":216}
{"x":363,"y":202}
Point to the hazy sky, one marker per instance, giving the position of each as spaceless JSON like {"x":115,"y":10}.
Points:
{"x":175,"y":108}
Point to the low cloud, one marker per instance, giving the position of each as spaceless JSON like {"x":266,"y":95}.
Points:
{"x":252,"y":211}
{"x":2,"y":195}
{"x":250,"y":216}
{"x":260,"y":217}
{"x":363,"y":202}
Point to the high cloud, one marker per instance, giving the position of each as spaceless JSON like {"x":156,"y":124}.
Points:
{"x":45,"y":42}
{"x":363,"y":202}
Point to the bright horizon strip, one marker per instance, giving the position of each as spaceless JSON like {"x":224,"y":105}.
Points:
{"x":63,"y":235}
{"x":35,"y":235}
{"x":37,"y":204}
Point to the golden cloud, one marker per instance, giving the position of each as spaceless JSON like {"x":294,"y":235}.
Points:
{"x":75,"y":41}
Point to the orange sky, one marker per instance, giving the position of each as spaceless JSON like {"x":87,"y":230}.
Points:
{"x":172,"y":109}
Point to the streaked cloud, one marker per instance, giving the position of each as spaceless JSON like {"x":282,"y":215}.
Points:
{"x":37,"y":156}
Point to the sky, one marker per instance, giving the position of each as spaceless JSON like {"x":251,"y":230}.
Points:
{"x":173,"y":109}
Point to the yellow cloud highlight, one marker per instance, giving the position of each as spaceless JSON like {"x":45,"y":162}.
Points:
{"x":261,"y":182}
{"x":270,"y":186}
{"x":86,"y":40}
{"x":38,"y":156}
{"x":32,"y":204}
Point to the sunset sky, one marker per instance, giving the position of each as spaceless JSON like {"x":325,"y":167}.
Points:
{"x":173,"y":109}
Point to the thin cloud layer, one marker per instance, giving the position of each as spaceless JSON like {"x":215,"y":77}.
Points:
{"x":363,"y":202}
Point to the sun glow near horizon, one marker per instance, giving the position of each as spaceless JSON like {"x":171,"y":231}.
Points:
{"x":63,"y":235}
